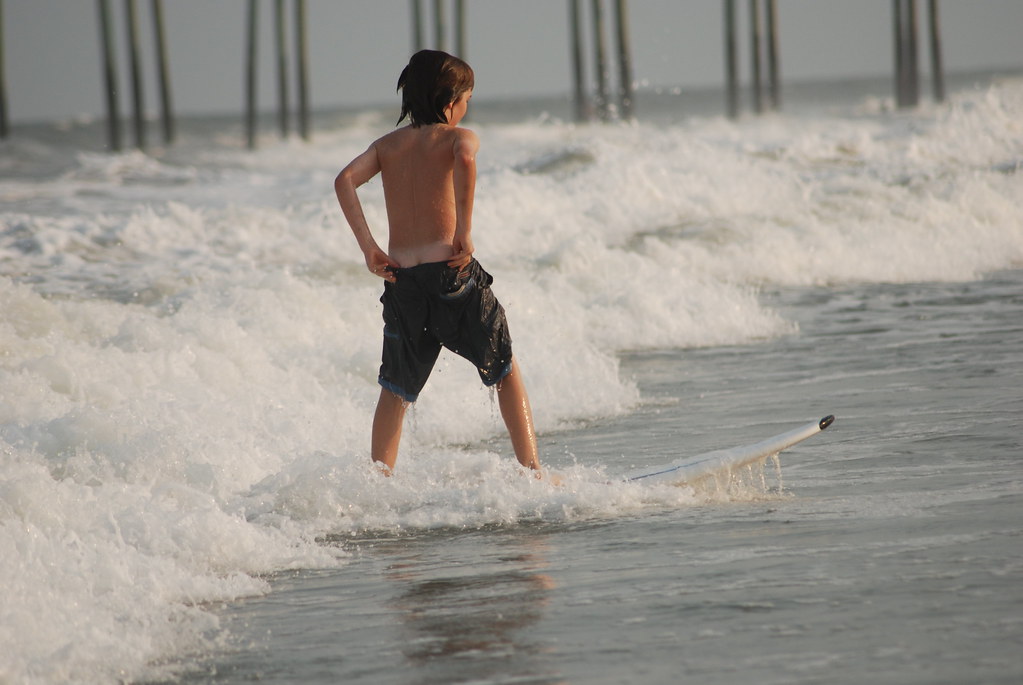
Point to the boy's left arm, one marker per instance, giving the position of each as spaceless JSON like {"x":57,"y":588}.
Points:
{"x":464,"y":178}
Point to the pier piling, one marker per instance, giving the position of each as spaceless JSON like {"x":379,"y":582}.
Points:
{"x":283,"y":118}
{"x":4,"y":125}
{"x":937,"y":68}
{"x":251,"y":73}
{"x":773,"y":66}
{"x":109,"y":76}
{"x":418,"y":41}
{"x":603,"y":102}
{"x":439,"y":25}
{"x":625,"y":88}
{"x":583,"y":108}
{"x":907,"y":72}
{"x":162,"y":68}
{"x":756,"y":38}
{"x":302,"y":62}
{"x":135,"y":64}
{"x":731,"y":61}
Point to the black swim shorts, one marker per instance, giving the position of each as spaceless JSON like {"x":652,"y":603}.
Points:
{"x":432,"y":305}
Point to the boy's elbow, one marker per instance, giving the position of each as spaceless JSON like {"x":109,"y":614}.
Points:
{"x":466,"y":162}
{"x":343,"y":180}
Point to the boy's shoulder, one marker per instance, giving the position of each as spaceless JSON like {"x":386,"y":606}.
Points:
{"x":401,"y":137}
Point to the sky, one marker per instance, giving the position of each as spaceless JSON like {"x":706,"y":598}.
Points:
{"x":356,"y":48}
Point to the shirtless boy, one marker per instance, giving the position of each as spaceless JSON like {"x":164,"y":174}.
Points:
{"x":435,"y":293}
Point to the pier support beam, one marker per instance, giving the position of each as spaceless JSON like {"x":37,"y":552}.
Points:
{"x":4,"y":125}
{"x":109,"y":76}
{"x":937,"y":66}
{"x":281,"y":42}
{"x":135,"y":64}
{"x":756,"y":39}
{"x":251,"y":73}
{"x":302,"y":62}
{"x":162,"y":68}
{"x":418,"y":40}
{"x":439,"y":25}
{"x":731,"y":61}
{"x":625,"y":89}
{"x":773,"y":66}
{"x":583,"y":107}
{"x":907,"y":71}
{"x":603,"y":101}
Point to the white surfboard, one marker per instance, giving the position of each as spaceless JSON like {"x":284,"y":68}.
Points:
{"x":691,"y":469}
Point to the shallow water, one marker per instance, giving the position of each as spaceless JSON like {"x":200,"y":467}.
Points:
{"x":891,"y":548}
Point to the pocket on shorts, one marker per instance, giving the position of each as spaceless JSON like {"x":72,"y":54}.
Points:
{"x":459,"y":286}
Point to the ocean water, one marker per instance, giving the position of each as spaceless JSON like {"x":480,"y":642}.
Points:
{"x":188,"y":353}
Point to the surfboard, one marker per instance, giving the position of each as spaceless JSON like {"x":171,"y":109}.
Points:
{"x":691,"y":469}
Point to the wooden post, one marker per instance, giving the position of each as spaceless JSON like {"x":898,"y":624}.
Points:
{"x":137,"y":93}
{"x":625,"y":89}
{"x":439,"y":25}
{"x":166,"y":109}
{"x":303,"y":69}
{"x":583,"y":110}
{"x":418,"y":42}
{"x":4,"y":125}
{"x":756,"y":31}
{"x":914,"y":53}
{"x":603,"y":98}
{"x":251,"y":72}
{"x":907,"y":75}
{"x":731,"y":61}
{"x":461,"y":47}
{"x":937,"y":68}
{"x":774,"y":79}
{"x":109,"y":76}
{"x":283,"y":118}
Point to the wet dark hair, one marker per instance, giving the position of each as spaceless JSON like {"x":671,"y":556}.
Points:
{"x":431,"y":81}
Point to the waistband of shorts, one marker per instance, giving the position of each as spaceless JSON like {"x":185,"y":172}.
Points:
{"x":424,"y":266}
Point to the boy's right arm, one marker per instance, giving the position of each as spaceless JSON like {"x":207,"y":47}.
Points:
{"x":359,"y":171}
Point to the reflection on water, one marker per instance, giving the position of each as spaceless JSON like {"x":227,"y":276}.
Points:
{"x":473,"y":622}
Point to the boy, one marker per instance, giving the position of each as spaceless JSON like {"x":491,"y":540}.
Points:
{"x":435,"y":293}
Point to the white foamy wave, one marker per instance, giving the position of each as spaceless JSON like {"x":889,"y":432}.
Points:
{"x":189,"y":347}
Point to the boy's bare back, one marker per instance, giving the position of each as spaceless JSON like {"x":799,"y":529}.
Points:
{"x":429,"y":176}
{"x":421,"y":168}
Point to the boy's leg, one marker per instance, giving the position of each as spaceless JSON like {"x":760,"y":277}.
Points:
{"x":518,"y":417}
{"x":387,"y":423}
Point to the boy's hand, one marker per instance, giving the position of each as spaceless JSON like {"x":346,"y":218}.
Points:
{"x":379,"y":264}
{"x":463,"y":252}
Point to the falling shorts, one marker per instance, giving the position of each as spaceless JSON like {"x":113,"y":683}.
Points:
{"x":430,"y":306}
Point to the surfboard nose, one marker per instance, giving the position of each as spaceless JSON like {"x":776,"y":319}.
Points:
{"x":827,"y":421}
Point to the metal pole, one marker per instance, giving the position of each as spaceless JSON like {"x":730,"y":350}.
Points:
{"x":756,"y":31}
{"x":137,"y":94}
{"x":303,"y":69}
{"x":250,"y":75}
{"x":627,"y":96}
{"x":4,"y":126}
{"x":110,"y":76}
{"x":417,"y":26}
{"x":439,"y":27}
{"x":166,"y":109}
{"x":731,"y":61}
{"x":774,"y":87}
{"x":603,"y":99}
{"x":283,"y":120}
{"x":583,"y":111}
{"x":937,"y":69}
